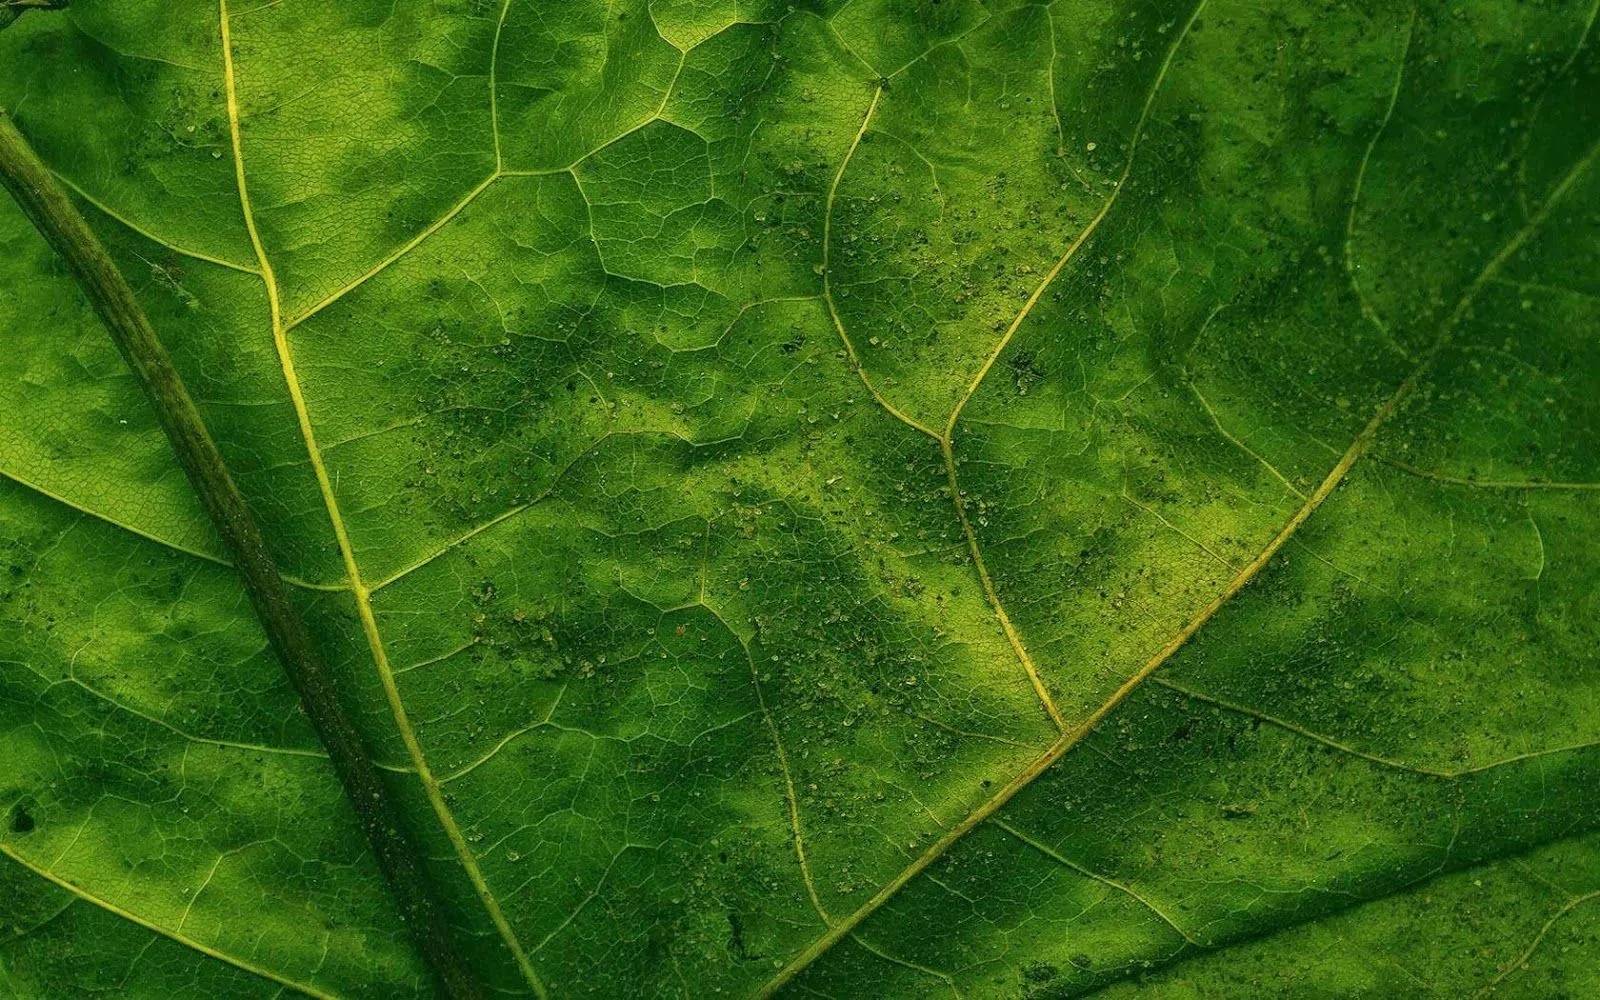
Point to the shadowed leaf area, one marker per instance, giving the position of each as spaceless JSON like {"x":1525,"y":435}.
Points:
{"x":871,"y":499}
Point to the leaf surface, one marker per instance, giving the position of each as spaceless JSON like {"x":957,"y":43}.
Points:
{"x":854,"y":499}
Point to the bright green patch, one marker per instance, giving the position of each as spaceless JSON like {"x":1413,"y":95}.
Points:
{"x":887,"y":498}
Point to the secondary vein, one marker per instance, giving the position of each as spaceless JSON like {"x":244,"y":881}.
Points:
{"x":47,"y":206}
{"x":78,"y":892}
{"x":358,"y":587}
{"x":1358,"y":447}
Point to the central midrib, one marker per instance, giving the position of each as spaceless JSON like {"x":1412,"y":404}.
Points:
{"x":358,"y":587}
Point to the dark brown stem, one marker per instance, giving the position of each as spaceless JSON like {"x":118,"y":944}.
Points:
{"x":45,"y":204}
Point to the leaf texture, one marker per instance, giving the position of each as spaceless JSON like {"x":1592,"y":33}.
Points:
{"x":892,"y":498}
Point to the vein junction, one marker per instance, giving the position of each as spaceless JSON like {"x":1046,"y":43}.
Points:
{"x":358,"y":587}
{"x":1358,"y":448}
{"x":944,"y":436}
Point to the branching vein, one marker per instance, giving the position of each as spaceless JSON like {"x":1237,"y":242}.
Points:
{"x":1367,"y":309}
{"x":172,"y":935}
{"x":1358,"y":447}
{"x":1521,"y":961}
{"x":147,"y":536}
{"x":1126,"y":890}
{"x":358,"y":587}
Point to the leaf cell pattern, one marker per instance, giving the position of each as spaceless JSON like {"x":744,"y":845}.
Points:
{"x":876,"y":498}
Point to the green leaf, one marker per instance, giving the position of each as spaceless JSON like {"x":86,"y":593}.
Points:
{"x":889,"y":498}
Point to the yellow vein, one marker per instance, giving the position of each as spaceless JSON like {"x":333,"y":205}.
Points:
{"x":1102,"y":879}
{"x":947,"y":437}
{"x":1088,"y":230}
{"x":583,"y":904}
{"x":108,"y":519}
{"x":954,"y":41}
{"x":1050,"y":76}
{"x":943,"y":977}
{"x":440,"y":658}
{"x":843,"y":44}
{"x":1367,"y":310}
{"x":358,"y":588}
{"x":496,"y":174}
{"x":1342,"y":571}
{"x":788,"y":791}
{"x":459,"y":540}
{"x":205,"y":883}
{"x":1216,"y":422}
{"x":793,"y":799}
{"x":1539,"y":286}
{"x":1491,"y":270}
{"x":1299,"y":730}
{"x":494,"y":84}
{"x":1068,"y":740}
{"x":1536,"y":112}
{"x":506,"y":740}
{"x":1530,"y":755}
{"x":19,"y":930}
{"x":1012,"y":635}
{"x":1583,"y":40}
{"x":147,"y":234}
{"x":1072,"y":737}
{"x":414,"y":242}
{"x":181,"y":733}
{"x":147,"y":536}
{"x":1486,"y":484}
{"x":657,"y":116}
{"x":1202,"y":546}
{"x":966,"y":734}
{"x":846,"y":926}
{"x":944,"y":440}
{"x":152,"y":926}
{"x":1522,"y":960}
{"x":827,"y":274}
{"x":1006,"y":626}
{"x":90,"y":689}
{"x":404,"y":249}
{"x":1521,"y":865}
{"x":511,"y":512}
